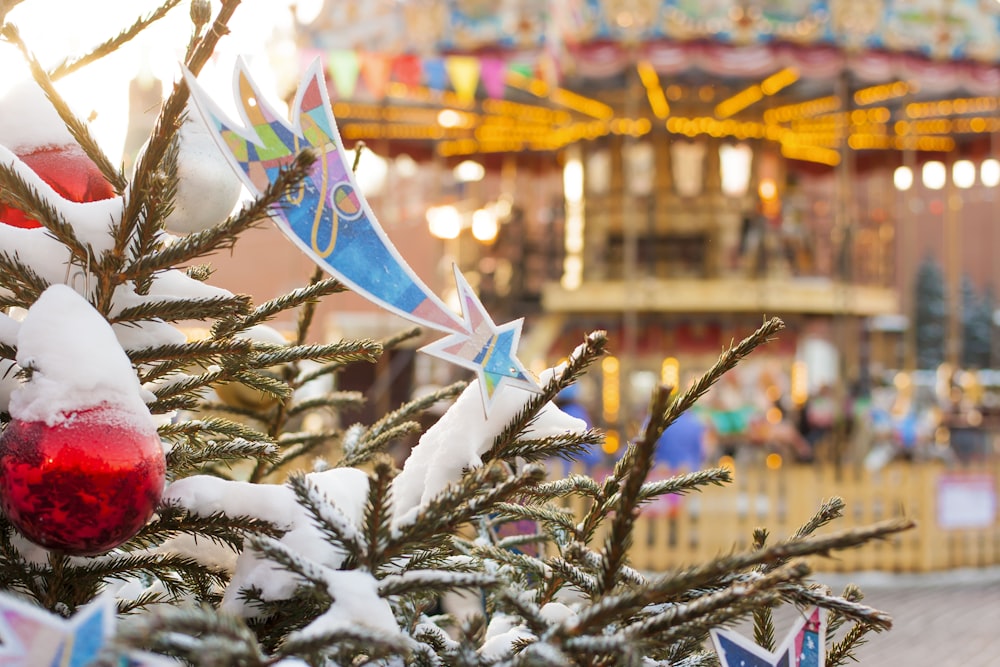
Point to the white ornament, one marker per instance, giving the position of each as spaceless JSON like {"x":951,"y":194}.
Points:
{"x":207,"y":188}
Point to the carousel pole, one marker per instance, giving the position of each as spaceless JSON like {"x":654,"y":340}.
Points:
{"x":630,"y":250}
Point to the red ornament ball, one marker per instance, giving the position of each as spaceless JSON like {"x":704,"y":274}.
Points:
{"x":84,"y":485}
{"x":69,"y":171}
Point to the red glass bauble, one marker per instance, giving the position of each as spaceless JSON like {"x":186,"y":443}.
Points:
{"x":69,"y":171}
{"x":82,"y":486}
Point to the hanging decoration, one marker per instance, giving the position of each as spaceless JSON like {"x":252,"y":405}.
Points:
{"x":803,"y":647}
{"x":32,"y":637}
{"x":329,"y":219}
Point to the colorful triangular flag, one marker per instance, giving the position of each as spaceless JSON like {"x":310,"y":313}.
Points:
{"x":463,"y":71}
{"x":343,"y":67}
{"x":494,"y":75}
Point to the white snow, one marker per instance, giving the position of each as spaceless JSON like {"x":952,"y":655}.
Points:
{"x":345,"y":488}
{"x":76,"y":360}
{"x":29,"y":119}
{"x":459,"y":439}
{"x":356,"y":602}
{"x":501,"y":635}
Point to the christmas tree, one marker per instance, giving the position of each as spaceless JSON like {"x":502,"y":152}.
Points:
{"x":238,"y":532}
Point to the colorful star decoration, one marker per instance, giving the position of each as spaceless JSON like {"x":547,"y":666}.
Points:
{"x":329,"y":219}
{"x":803,"y":647}
{"x":32,"y":637}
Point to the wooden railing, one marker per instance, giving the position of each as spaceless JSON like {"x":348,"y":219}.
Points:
{"x":958,"y":522}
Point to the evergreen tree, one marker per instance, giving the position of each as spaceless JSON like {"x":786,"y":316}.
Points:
{"x":247,"y":563}
{"x":977,"y":326}
{"x":931,"y":316}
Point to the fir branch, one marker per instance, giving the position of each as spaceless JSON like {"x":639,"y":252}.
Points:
{"x":68,"y":66}
{"x":408,"y":410}
{"x":829,"y":511}
{"x":17,"y":277}
{"x":567,"y":446}
{"x":619,"y":538}
{"x":305,"y":445}
{"x":223,"y":235}
{"x":585,"y":354}
{"x":432,"y":582}
{"x":209,"y":426}
{"x":77,"y":128}
{"x":843,"y":650}
{"x":184,"y":386}
{"x":305,"y":318}
{"x":476,"y":494}
{"x":179,"y":575}
{"x":680,"y":484}
{"x":366,"y":448}
{"x":220,"y":528}
{"x":193,"y":632}
{"x":24,"y":196}
{"x":671,"y":584}
{"x":763,"y":620}
{"x":666,"y":625}
{"x":335,"y":400}
{"x":565,"y":571}
{"x":162,"y":135}
{"x":295,"y":298}
{"x":189,"y":353}
{"x":543,"y":513}
{"x":328,"y":519}
{"x":859,"y":613}
{"x":344,"y":644}
{"x":185,"y":459}
{"x":288,"y":559}
{"x":342,"y":352}
{"x":560,"y":488}
{"x":376,"y":525}
{"x":173,"y":310}
{"x":835,"y":620}
{"x":394,"y":341}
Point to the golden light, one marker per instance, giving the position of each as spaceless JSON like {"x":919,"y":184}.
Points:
{"x":484,"y":225}
{"x":768,"y":189}
{"x":934,"y":175}
{"x":469,"y":171}
{"x":612,"y":441}
{"x":989,"y":172}
{"x":963,"y":174}
{"x":444,"y":222}
{"x":773,"y":415}
{"x":902,"y":178}
{"x":670,"y":373}
{"x":728,"y":462}
{"x":449,"y":118}
{"x":773,"y":461}
{"x":611,"y":392}
{"x":799,"y":382}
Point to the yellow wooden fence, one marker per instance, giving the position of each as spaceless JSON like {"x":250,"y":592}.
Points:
{"x":958,"y":523}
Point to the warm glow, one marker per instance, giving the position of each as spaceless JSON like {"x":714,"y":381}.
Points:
{"x":484,"y":225}
{"x":573,"y":180}
{"x":670,"y":373}
{"x":989,"y":172}
{"x":799,"y":383}
{"x":449,"y":118}
{"x":934,"y":175}
{"x":469,"y":171}
{"x":445,"y":222}
{"x":727,"y":462}
{"x":611,"y":391}
{"x":963,"y":174}
{"x":371,"y":172}
{"x":735,"y":160}
{"x":612,"y":441}
{"x":773,"y":415}
{"x":768,"y":189}
{"x":773,"y":461}
{"x":902,"y":178}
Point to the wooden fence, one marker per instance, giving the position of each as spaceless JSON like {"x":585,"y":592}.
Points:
{"x":958,"y":523}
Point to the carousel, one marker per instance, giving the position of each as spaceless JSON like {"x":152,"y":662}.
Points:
{"x":671,"y":171}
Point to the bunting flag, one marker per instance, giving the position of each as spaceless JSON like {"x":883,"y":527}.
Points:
{"x":435,"y":73}
{"x":328,"y":218}
{"x":493,"y":72}
{"x":343,"y":67}
{"x":376,"y":69}
{"x":408,"y":70}
{"x":463,"y":72}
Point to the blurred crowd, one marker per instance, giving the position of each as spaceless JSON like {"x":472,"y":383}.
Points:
{"x":947,"y":416}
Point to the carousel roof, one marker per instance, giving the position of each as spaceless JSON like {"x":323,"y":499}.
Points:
{"x":532,"y":75}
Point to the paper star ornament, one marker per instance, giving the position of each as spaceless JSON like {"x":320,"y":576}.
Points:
{"x":32,"y":637}
{"x":803,"y":647}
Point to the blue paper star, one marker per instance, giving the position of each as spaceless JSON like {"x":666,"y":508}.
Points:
{"x":803,"y":647}
{"x":32,"y":637}
{"x":486,"y":348}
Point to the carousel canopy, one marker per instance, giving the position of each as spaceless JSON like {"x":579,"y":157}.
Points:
{"x":816,"y":77}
